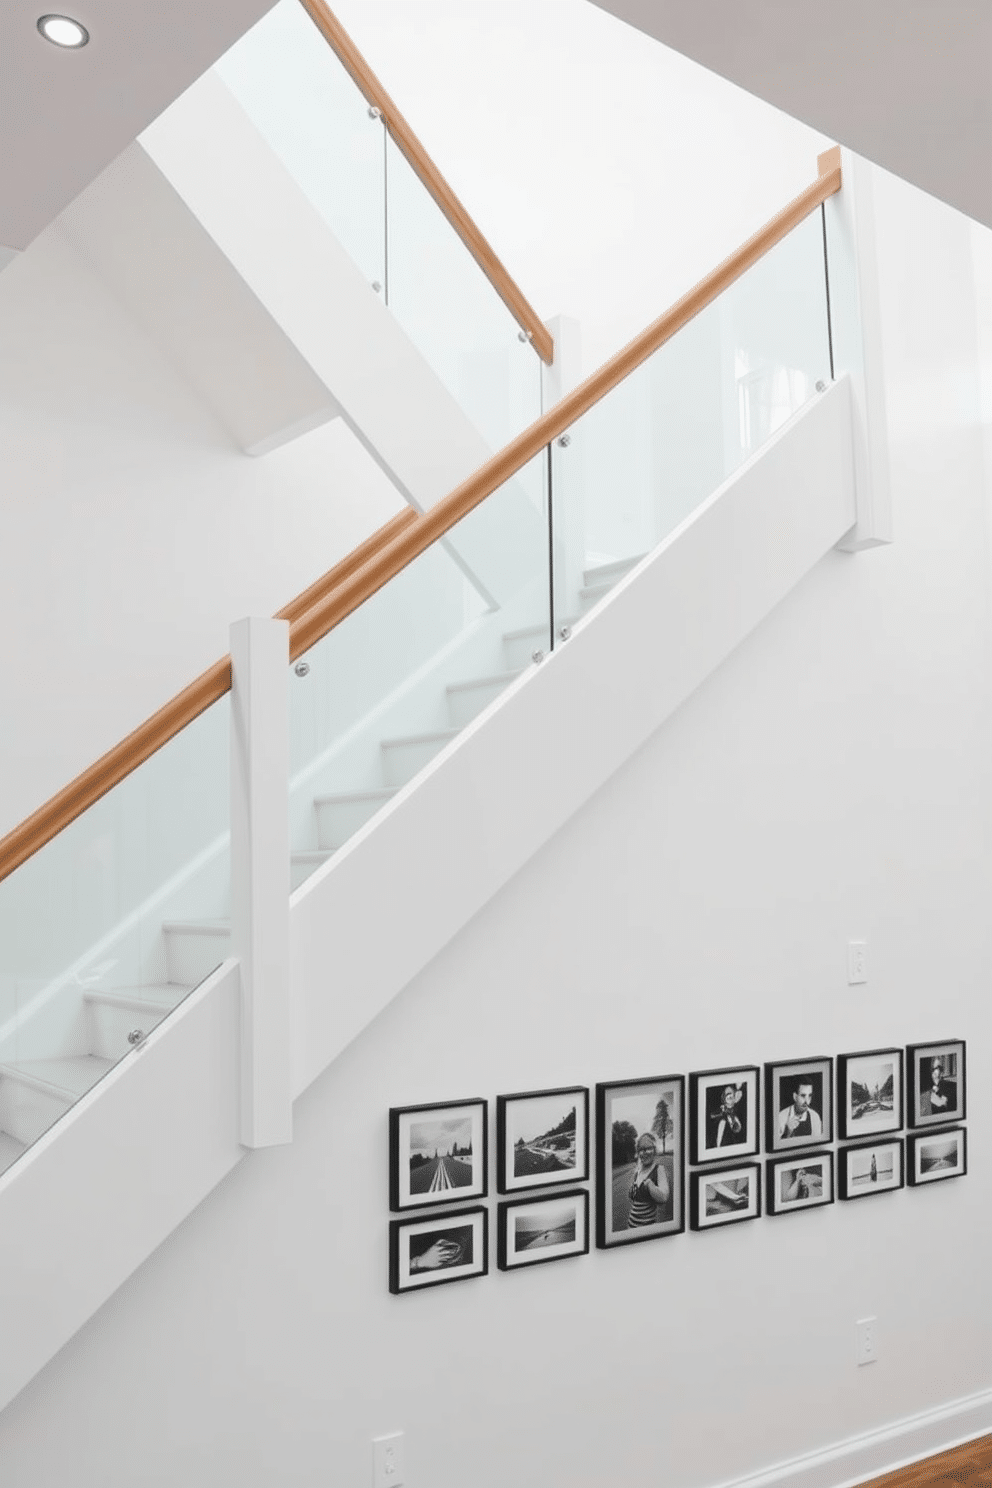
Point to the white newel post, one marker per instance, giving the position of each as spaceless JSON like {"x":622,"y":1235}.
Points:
{"x":857,"y":346}
{"x":260,"y":874}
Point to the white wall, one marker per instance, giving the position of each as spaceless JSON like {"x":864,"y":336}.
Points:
{"x":832,"y":780}
{"x":133,"y":530}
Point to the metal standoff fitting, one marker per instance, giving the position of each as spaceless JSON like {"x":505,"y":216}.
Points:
{"x":377,"y":286}
{"x":821,"y":387}
{"x":564,"y":632}
{"x":565,"y":440}
{"x":302,"y":669}
{"x":537,"y":656}
{"x":135,"y":1037}
{"x":374,"y":113}
{"x":525,"y":335}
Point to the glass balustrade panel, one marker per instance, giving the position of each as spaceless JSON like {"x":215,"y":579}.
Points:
{"x":110,"y":925}
{"x":649,"y":453}
{"x":453,"y":315}
{"x":310,"y":113}
{"x":380,"y":696}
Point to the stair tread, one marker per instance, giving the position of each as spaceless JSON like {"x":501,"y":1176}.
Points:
{"x":442,"y":735}
{"x":164,"y":995}
{"x":491,"y":681}
{"x":67,"y":1078}
{"x":313,"y":855}
{"x":346,"y":798}
{"x":199,"y":927}
{"x":598,"y":573}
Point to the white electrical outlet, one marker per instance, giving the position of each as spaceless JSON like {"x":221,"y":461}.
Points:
{"x":857,"y":962}
{"x":866,"y":1334}
{"x":387,"y":1461}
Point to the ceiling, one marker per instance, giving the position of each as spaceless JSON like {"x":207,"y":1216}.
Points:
{"x":904,"y":82}
{"x":65,"y":115}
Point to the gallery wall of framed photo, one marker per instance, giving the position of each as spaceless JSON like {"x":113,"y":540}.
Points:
{"x":832,"y":1129}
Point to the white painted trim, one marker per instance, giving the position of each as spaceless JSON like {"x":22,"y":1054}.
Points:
{"x":858,"y":1458}
{"x":855,"y":318}
{"x":260,"y":874}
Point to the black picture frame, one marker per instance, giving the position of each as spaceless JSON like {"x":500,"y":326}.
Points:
{"x":921,"y":1099}
{"x":870,"y":1168}
{"x":625,"y":1111}
{"x":926,"y":1163}
{"x":865,"y":1106}
{"x":535,"y":1231}
{"x":794,"y":1120}
{"x":435,"y":1235}
{"x":532,"y":1129}
{"x":812,"y":1171}
{"x":719,"y":1197}
{"x":724,"y":1114}
{"x":418,"y":1180}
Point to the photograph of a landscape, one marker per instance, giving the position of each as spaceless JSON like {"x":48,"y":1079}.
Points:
{"x":871,"y":1169}
{"x":542,"y":1138}
{"x":545,"y":1229}
{"x":441,"y":1155}
{"x":934,"y":1156}
{"x":437,"y":1154}
{"x":871,"y":1087}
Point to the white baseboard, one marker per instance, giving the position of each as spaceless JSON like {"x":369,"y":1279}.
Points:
{"x":860,"y":1458}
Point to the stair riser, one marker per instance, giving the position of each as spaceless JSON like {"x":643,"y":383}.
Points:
{"x":339,"y":820}
{"x":401,"y":762}
{"x":110,"y":1026}
{"x":467,"y":702}
{"x":190,"y":957}
{"x":518,"y":651}
{"x":27,"y":1113}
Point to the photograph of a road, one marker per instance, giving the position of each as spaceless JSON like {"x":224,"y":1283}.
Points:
{"x":543,"y":1135}
{"x":441,"y":1156}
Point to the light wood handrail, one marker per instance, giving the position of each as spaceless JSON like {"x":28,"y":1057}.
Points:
{"x":410,"y":147}
{"x":307,"y":629}
{"x":121,"y":761}
{"x":347,"y":566}
{"x":363,"y":573}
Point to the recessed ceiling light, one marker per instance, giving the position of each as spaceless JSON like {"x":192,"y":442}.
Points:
{"x":63,"y":31}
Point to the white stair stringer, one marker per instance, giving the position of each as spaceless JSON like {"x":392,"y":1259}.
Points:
{"x":161,"y":1129}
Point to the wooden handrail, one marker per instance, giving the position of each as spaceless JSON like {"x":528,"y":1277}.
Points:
{"x":307,"y":629}
{"x":344,"y":570}
{"x":363,"y":573}
{"x":410,"y":147}
{"x":121,"y":761}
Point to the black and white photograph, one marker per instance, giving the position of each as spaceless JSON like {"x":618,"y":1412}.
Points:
{"x":869,"y":1093}
{"x":723,"y":1113}
{"x":799,"y":1095}
{"x":440,"y":1248}
{"x":794,"y":1183}
{"x":935,"y":1081}
{"x":870,"y":1168}
{"x":724,"y":1196}
{"x":437,"y":1154}
{"x":542,"y":1138}
{"x":933,"y":1156}
{"x":531,"y":1231}
{"x":640,"y":1162}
